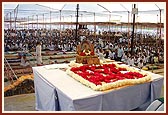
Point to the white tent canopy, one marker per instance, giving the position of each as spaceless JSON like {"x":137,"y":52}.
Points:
{"x":19,"y":15}
{"x":104,"y":11}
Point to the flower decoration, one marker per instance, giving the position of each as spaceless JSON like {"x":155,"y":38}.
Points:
{"x":104,"y":73}
{"x":101,"y":77}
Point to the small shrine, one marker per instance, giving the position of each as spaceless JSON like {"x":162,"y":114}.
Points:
{"x":85,"y":53}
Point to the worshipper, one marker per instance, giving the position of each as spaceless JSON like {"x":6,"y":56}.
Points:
{"x":43,"y":46}
{"x":15,"y":47}
{"x":147,"y":58}
{"x":51,"y":47}
{"x":110,"y":46}
{"x":101,"y":55}
{"x":161,"y":58}
{"x":124,"y":58}
{"x":136,"y":61}
{"x":128,"y":59}
{"x":139,"y":58}
{"x":24,"y":61}
{"x":115,"y":55}
{"x":6,"y":48}
{"x":119,"y":53}
{"x":120,"y":40}
{"x":106,"y":54}
{"x":38,"y":53}
{"x":131,"y":61}
{"x":144,"y":60}
{"x":156,"y":59}
{"x":140,"y":64}
{"x":152,"y":59}
{"x":111,"y":55}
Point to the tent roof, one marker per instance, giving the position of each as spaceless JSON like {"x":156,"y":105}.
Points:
{"x":102,"y":10}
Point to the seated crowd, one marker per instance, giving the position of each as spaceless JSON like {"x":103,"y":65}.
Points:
{"x":145,"y":49}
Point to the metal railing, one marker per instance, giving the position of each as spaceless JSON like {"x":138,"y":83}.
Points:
{"x":8,"y":68}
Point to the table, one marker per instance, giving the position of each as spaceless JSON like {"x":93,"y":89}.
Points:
{"x":56,"y":91}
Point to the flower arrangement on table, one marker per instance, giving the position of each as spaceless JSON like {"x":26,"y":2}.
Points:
{"x":107,"y":76}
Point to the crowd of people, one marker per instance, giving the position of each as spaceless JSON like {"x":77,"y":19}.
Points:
{"x":142,"y":54}
{"x":106,"y":43}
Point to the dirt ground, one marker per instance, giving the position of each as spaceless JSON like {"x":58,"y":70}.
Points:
{"x":24,"y":102}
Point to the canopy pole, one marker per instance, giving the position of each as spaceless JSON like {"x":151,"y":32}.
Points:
{"x":160,"y":25}
{"x":71,"y":21}
{"x":10,"y":21}
{"x":24,"y":24}
{"x":28,"y":23}
{"x":63,"y":22}
{"x":60,"y":20}
{"x":32,"y":21}
{"x":128,"y":23}
{"x":43,"y":21}
{"x":50,"y":21}
{"x":77,"y":15}
{"x":94,"y":26}
{"x":37,"y":21}
{"x":132,"y":40}
{"x":109,"y":20}
{"x":60,"y":25}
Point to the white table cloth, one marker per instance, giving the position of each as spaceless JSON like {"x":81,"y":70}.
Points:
{"x":57,"y":91}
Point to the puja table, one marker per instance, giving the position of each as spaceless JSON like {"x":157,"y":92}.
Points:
{"x":57,"y":91}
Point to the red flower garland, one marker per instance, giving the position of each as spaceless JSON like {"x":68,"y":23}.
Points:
{"x":104,"y":73}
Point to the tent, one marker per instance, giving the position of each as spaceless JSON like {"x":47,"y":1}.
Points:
{"x":62,"y":12}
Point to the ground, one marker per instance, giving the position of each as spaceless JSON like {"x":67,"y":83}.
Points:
{"x":24,"y":102}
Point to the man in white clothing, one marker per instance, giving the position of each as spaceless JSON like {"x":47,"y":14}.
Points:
{"x":131,"y":61}
{"x":38,"y":53}
{"x":120,"y":53}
